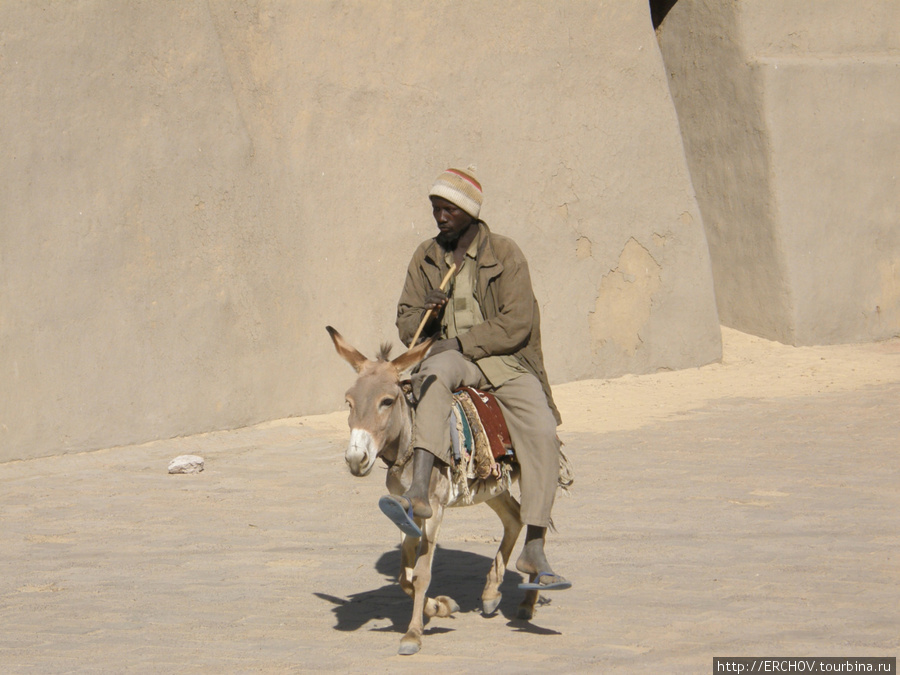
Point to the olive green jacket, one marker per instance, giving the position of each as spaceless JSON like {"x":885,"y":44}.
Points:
{"x":512,"y":322}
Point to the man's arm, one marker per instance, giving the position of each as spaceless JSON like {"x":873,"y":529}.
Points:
{"x":413,"y":301}
{"x":507,"y":331}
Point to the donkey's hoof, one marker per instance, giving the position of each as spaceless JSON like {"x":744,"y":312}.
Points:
{"x":409,"y":648}
{"x":446,"y":605}
{"x":441,"y":606}
{"x":488,"y":607}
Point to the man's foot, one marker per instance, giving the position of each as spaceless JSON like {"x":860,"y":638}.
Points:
{"x":401,"y":511}
{"x":546,"y":581}
{"x":534,"y":563}
{"x":420,"y":507}
{"x":417,"y":494}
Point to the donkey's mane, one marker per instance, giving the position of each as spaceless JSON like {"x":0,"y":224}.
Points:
{"x":384,"y":352}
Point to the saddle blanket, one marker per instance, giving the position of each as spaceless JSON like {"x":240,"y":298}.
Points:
{"x":479,"y":433}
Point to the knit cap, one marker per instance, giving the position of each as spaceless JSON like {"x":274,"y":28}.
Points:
{"x":461,"y":188}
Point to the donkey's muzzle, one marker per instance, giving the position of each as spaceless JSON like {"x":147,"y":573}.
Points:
{"x":361,"y":454}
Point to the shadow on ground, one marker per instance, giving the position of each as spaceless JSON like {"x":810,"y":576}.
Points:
{"x":458,"y":574}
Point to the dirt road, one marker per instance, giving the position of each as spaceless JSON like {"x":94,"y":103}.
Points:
{"x":745,"y":508}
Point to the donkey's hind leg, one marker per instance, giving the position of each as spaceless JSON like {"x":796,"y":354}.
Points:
{"x":507,"y":509}
{"x":526,"y":607}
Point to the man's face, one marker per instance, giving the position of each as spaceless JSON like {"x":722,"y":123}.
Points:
{"x":451,"y":220}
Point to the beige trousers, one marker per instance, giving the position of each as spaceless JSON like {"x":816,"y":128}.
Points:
{"x":532,"y":427}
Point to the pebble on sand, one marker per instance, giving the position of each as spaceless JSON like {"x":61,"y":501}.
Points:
{"x":186,"y":464}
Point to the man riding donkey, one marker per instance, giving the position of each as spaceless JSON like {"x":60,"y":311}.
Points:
{"x":487,"y":327}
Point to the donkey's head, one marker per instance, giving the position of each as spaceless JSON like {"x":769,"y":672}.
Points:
{"x":379,"y":414}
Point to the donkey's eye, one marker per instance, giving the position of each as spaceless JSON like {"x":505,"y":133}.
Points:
{"x":387,"y":402}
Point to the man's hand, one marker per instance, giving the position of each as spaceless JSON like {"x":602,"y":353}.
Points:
{"x":435,"y":299}
{"x":444,"y":346}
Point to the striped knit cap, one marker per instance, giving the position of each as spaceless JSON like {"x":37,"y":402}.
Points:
{"x":461,"y":188}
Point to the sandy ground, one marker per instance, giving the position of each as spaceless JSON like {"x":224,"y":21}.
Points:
{"x":744,"y":508}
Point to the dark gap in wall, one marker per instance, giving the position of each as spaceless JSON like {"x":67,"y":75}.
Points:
{"x":659,"y":9}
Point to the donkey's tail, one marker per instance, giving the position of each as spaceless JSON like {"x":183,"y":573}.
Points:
{"x":566,"y":472}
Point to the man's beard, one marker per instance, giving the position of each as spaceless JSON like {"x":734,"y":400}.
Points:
{"x":447,"y":241}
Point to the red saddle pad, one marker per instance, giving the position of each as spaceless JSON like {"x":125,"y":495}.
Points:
{"x":492,"y":420}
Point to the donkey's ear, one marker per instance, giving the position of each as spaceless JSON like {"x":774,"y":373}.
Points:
{"x":346,"y":351}
{"x":413,"y":356}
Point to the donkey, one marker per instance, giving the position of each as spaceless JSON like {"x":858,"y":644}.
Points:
{"x":381,"y":423}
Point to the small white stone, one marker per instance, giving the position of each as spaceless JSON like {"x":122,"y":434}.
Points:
{"x":186,"y":464}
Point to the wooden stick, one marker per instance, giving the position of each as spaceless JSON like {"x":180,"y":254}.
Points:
{"x":428,"y":314}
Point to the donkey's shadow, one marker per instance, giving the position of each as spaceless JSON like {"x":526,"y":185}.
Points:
{"x":459,"y":574}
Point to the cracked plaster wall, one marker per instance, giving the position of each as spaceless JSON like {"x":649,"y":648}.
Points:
{"x":193,"y":191}
{"x":624,"y":303}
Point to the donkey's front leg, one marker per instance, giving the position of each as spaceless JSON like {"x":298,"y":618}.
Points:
{"x":507,"y":509}
{"x":421,"y":579}
{"x":409,"y":550}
